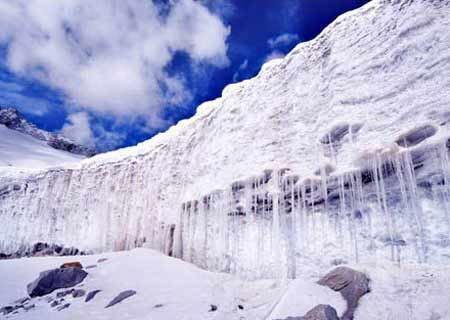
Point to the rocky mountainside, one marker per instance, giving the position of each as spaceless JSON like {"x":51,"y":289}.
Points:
{"x":14,"y":120}
{"x":337,"y":153}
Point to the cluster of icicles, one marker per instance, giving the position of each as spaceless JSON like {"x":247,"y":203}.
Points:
{"x":395,"y":209}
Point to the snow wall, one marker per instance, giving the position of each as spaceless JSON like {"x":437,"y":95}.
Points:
{"x":338,"y":152}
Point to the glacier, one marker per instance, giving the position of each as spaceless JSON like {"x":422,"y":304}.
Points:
{"x":338,"y":152}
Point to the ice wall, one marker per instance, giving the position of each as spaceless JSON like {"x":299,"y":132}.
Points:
{"x":394,"y":208}
{"x":337,"y":152}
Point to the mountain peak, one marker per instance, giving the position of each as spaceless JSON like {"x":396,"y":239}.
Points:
{"x":14,"y":120}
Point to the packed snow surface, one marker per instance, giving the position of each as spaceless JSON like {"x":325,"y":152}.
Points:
{"x":337,"y":153}
{"x":21,"y":150}
{"x":169,"y":288}
{"x":183,"y":290}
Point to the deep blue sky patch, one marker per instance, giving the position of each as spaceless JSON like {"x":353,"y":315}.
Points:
{"x":257,"y":29}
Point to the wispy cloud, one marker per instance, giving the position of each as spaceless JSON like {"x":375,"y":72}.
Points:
{"x":224,"y":8}
{"x":242,"y":67}
{"x":282,"y":40}
{"x":12,"y":94}
{"x":274,"y":55}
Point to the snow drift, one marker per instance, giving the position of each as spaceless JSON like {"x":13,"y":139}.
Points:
{"x":338,"y":152}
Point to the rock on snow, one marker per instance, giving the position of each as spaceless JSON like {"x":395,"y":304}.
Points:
{"x":51,"y":280}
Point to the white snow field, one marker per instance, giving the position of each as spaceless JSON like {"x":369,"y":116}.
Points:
{"x":337,"y":153}
{"x":169,"y":288}
{"x":23,"y":151}
{"x":183,"y":290}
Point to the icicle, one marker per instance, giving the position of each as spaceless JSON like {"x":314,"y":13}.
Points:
{"x":293,"y":233}
{"x":389,"y":215}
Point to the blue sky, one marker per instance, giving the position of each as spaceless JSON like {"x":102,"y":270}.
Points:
{"x":114,"y":74}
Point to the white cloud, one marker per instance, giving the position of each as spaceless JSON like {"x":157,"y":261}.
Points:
{"x":224,"y":8}
{"x":109,"y":56}
{"x":274,"y":55}
{"x":12,"y":95}
{"x":243,"y":66}
{"x":282,"y":40}
{"x":78,"y":129}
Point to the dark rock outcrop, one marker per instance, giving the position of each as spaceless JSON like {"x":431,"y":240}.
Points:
{"x":29,"y":307}
{"x":64,"y":293}
{"x":416,"y":136}
{"x":213,"y":308}
{"x":64,"y":306}
{"x":78,"y":293}
{"x":91,"y":295}
{"x":51,"y":280}
{"x":321,"y":312}
{"x":74,"y":264}
{"x":120,"y":297}
{"x":6,"y":310}
{"x":350,"y":283}
{"x":40,"y":249}
{"x":54,"y":303}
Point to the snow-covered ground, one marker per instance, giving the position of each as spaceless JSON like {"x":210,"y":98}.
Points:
{"x":183,"y":290}
{"x":24,"y":151}
{"x":168,"y":288}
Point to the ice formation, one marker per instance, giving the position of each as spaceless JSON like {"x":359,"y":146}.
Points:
{"x":338,"y":152}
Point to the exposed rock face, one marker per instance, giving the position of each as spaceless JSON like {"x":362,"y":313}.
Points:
{"x":14,"y":120}
{"x":350,"y":283}
{"x":51,"y":280}
{"x":40,"y":249}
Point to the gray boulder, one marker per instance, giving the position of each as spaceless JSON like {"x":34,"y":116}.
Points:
{"x":64,"y":293}
{"x":120,"y":297}
{"x":29,"y":307}
{"x":350,"y":283}
{"x":54,"y":303}
{"x":6,"y":310}
{"x":65,"y":306}
{"x":78,"y":293}
{"x":51,"y":280}
{"x":321,"y":312}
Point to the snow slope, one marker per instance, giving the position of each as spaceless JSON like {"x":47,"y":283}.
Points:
{"x":21,"y":150}
{"x":187,"y":292}
{"x":14,"y":120}
{"x":338,"y":152}
{"x":184,"y":291}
